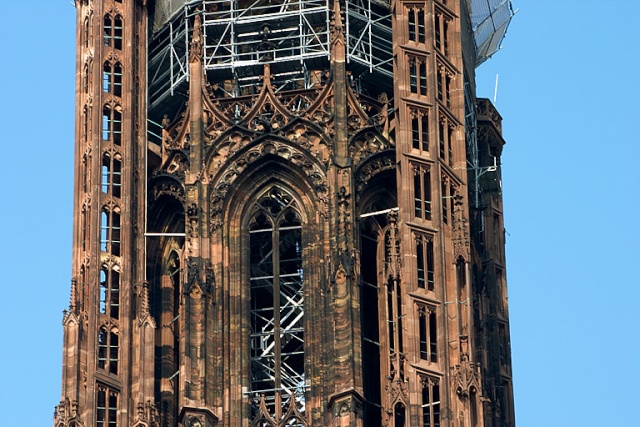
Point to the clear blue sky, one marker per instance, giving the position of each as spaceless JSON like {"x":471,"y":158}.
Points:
{"x":569,"y":93}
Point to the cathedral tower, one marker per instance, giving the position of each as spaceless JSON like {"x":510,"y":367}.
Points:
{"x":287,"y":213}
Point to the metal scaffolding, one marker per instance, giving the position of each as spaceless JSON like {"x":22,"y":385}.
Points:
{"x":369,"y":36}
{"x":241,"y":36}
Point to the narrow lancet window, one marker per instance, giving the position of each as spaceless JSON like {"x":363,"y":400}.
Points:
{"x":412,"y":25}
{"x":424,"y":254}
{"x":428,"y":334}
{"x":422,"y":192}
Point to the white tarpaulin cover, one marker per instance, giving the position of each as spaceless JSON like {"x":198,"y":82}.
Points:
{"x":165,"y":9}
{"x":490,"y":19}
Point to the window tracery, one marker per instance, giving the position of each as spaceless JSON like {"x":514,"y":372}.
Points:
{"x":277,"y":305}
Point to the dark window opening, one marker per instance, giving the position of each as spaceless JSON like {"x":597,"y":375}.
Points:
{"x":110,"y":292}
{"x":447,"y":90}
{"x":445,"y":201}
{"x":112,"y":32}
{"x":86,"y":32}
{"x":108,"y":30}
{"x":422,"y":193}
{"x":106,"y":407}
{"x":111,"y":175}
{"x":425,"y":132}
{"x":370,"y":326}
{"x":412,"y":25}
{"x":421,"y":26}
{"x":424,"y":253}
{"x":399,"y":415}
{"x":108,"y":350}
{"x":437,"y":32}
{"x":110,"y":232}
{"x":420,"y":130}
{"x":423,"y":78}
{"x":450,"y":145}
{"x":445,"y":38}
{"x":413,"y":76}
{"x":415,"y":132}
{"x":430,"y":402}
{"x":442,"y":139}
{"x":112,"y":124}
{"x":277,"y":299}
{"x":428,"y":334}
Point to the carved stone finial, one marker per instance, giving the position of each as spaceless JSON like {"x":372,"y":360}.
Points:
{"x":144,"y":300}
{"x":74,"y":295}
{"x":196,"y":48}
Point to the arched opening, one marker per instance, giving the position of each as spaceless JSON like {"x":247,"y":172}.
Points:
{"x":399,"y":415}
{"x":378,"y":196}
{"x":165,"y":276}
{"x":277,"y":299}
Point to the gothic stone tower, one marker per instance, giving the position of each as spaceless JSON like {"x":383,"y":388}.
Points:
{"x":287,"y":213}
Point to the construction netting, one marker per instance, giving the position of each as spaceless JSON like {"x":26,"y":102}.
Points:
{"x":164,"y":11}
{"x":490,"y":20}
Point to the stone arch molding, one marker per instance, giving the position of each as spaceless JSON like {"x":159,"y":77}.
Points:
{"x":271,"y":146}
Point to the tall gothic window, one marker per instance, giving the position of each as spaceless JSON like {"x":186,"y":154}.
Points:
{"x":428,"y":333}
{"x":110,"y":231}
{"x":108,"y":350}
{"x":277,"y":299}
{"x":112,"y":124}
{"x":430,"y":402}
{"x":420,"y":129}
{"x":112,"y":78}
{"x":111,"y":174}
{"x":425,"y":262}
{"x":110,"y":292}
{"x":422,"y":191}
{"x":112,"y":34}
{"x":106,"y":407}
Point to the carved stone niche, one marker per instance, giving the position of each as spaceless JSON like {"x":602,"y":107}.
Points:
{"x":198,"y":417}
{"x":348,"y":403}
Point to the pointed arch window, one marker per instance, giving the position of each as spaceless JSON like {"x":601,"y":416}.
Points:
{"x":399,"y":415}
{"x":112,"y":78}
{"x":110,"y":292}
{"x":85,"y":78}
{"x":108,"y":350}
{"x":111,"y":182}
{"x":85,"y":32}
{"x":112,"y":124}
{"x":112,"y":35}
{"x":277,"y":300}
{"x":110,"y":232}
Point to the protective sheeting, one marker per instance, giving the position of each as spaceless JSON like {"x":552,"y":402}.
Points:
{"x":165,"y":9}
{"x":490,"y":20}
